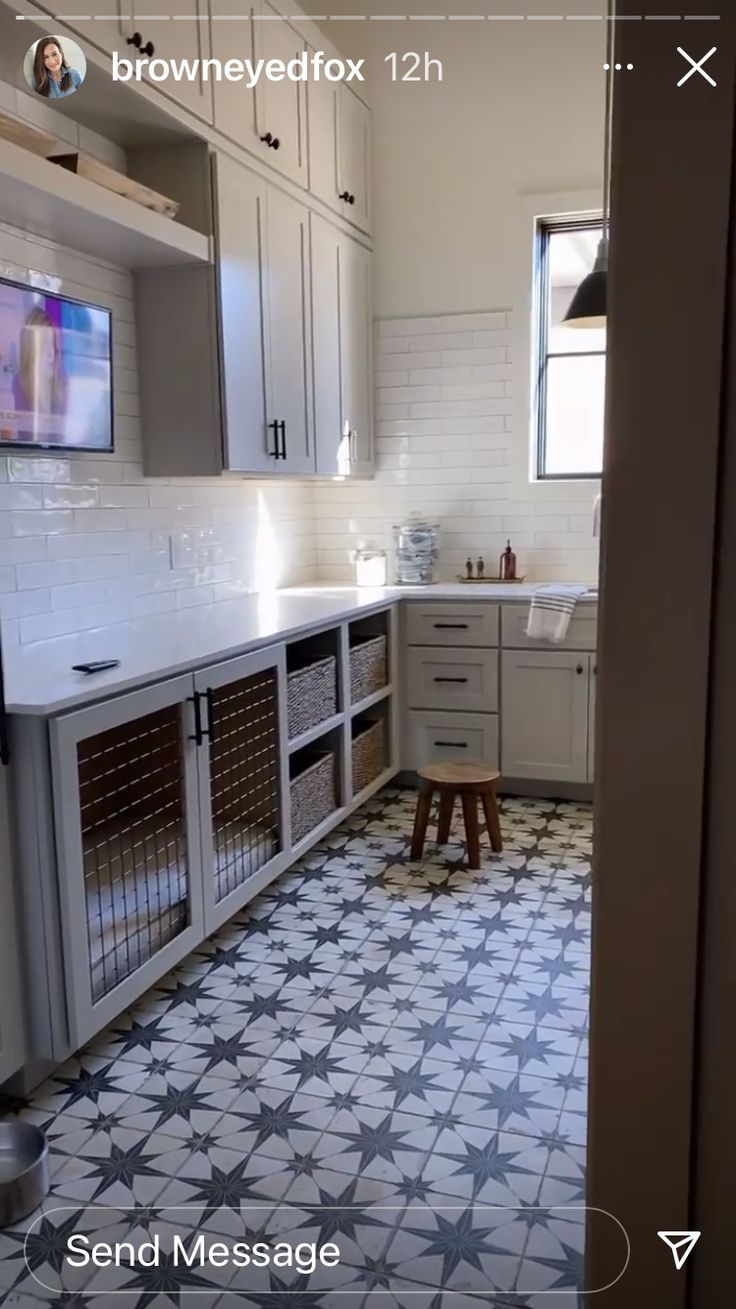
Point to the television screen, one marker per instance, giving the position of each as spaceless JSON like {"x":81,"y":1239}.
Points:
{"x":55,"y":371}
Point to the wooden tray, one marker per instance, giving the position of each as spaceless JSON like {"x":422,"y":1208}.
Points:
{"x":28,"y":137}
{"x":96,"y":171}
{"x":494,"y":581}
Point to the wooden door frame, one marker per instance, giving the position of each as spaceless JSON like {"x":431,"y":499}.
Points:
{"x":670,"y":225}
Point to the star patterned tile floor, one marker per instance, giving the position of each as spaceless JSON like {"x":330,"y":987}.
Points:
{"x":386,"y":1054}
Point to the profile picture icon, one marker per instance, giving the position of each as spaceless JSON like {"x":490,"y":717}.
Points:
{"x":55,"y":67}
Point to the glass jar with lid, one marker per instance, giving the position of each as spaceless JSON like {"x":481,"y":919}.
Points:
{"x":416,"y":551}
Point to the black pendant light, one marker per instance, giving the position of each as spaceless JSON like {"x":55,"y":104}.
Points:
{"x":588,"y":305}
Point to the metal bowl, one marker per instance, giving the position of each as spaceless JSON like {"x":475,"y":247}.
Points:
{"x":24,"y":1170}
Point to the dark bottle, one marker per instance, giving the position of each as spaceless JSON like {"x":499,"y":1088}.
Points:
{"x":481,"y":567}
{"x":469,"y":568}
{"x":507,"y":564}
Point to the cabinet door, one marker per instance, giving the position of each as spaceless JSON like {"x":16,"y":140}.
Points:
{"x":355,"y":349}
{"x":332,"y":442}
{"x":544,"y":715}
{"x":341,"y":345}
{"x":242,"y":779}
{"x":232,"y":36}
{"x":186,"y":38}
{"x":11,"y":1024}
{"x":112,"y":26}
{"x":354,"y":158}
{"x":322,"y":97}
{"x":591,"y":716}
{"x":280,"y":107}
{"x":124,"y":776}
{"x":241,"y":226}
{"x":288,"y":335}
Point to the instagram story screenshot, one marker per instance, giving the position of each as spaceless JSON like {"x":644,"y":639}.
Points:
{"x":367,"y":616}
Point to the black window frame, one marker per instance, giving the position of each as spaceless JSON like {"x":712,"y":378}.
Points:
{"x":547,"y":227}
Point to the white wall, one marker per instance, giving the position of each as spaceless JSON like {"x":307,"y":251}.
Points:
{"x":445,"y":448}
{"x":519,"y":113}
{"x":86,"y":541}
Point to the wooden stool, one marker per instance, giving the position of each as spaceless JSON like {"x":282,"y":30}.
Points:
{"x":472,"y":782}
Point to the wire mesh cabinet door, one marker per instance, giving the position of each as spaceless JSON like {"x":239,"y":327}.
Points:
{"x":243,"y":779}
{"x":124,"y":775}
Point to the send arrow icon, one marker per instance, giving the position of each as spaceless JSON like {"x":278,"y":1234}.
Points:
{"x":681,"y":1244}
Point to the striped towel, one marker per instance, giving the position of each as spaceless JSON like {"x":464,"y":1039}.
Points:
{"x":550,"y":611}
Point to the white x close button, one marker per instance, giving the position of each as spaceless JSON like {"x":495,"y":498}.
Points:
{"x":697,"y":66}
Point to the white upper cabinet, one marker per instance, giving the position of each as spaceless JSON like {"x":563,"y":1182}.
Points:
{"x":110,"y":31}
{"x":340,"y":151}
{"x":269,"y":120}
{"x":355,"y":336}
{"x":354,"y":158}
{"x":288,"y":343}
{"x":241,"y":220}
{"x":341,"y":326}
{"x":184,"y":38}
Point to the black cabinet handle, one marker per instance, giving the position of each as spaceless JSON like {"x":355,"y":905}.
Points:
{"x":283,"y":438}
{"x":579,"y":669}
{"x":276,"y":452}
{"x":595,"y":670}
{"x":137,"y":40}
{"x":194,"y":699}
{"x":271,"y":141}
{"x":453,"y":745}
{"x":210,"y":698}
{"x":344,"y":195}
{"x":351,"y":199}
{"x":450,"y":679}
{"x":456,"y":627}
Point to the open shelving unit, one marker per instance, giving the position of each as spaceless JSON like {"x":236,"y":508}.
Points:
{"x":40,"y":197}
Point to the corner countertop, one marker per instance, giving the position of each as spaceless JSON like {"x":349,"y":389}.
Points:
{"x":39,"y":679}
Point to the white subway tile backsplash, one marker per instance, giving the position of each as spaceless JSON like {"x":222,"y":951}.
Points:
{"x":452,"y":458}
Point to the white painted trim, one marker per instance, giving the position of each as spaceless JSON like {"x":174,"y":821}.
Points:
{"x":529,"y":209}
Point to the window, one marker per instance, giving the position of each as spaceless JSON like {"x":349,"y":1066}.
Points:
{"x":571,"y":361}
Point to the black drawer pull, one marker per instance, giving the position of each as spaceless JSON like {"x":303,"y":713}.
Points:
{"x":455,"y":627}
{"x":453,"y":745}
{"x":450,"y":679}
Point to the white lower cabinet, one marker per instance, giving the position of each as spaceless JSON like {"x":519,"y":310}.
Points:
{"x":434,"y":737}
{"x":170,"y":812}
{"x":11,"y":1014}
{"x":243,"y":780}
{"x":545,"y":714}
{"x":124,"y":777}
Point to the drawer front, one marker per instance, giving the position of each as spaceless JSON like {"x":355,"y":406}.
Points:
{"x":452,"y":624}
{"x":581,"y":634}
{"x":466,"y":680}
{"x":436,"y":736}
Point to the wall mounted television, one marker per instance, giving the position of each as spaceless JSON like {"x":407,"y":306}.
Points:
{"x":55,"y":371}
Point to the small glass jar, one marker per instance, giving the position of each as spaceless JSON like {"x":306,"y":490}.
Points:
{"x":371,"y":567}
{"x":416,"y":551}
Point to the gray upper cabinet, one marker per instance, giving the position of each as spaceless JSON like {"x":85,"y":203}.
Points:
{"x":224,"y":352}
{"x":354,"y":158}
{"x":187,"y":37}
{"x":112,"y":26}
{"x":288,"y":344}
{"x":270,"y":119}
{"x":341,"y":326}
{"x":340,"y":151}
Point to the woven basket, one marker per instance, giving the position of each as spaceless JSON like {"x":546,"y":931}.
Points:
{"x":368,"y":666}
{"x":313,"y":795}
{"x":311,"y":695}
{"x":369,"y":755}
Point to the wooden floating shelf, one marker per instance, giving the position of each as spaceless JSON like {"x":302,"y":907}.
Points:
{"x":42,"y":198}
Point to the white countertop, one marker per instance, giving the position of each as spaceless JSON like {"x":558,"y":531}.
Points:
{"x":39,"y":677}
